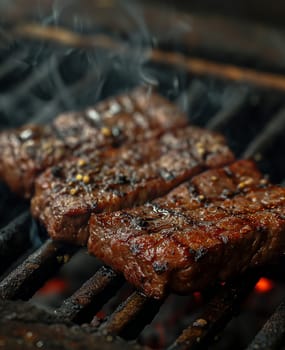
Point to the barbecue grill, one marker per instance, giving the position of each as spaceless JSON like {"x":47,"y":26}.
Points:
{"x":53,"y":63}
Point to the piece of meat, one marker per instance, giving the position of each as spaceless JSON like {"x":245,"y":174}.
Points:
{"x":67,"y":194}
{"x":128,"y":118}
{"x":204,"y":231}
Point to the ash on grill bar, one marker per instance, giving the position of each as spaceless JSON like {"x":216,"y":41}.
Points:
{"x":218,"y":68}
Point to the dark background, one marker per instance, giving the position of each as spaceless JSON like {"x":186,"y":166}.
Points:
{"x":269,"y":12}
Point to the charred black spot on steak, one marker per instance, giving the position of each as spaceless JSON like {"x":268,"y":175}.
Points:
{"x":139,"y":222}
{"x":198,"y":253}
{"x":56,"y":171}
{"x":117,"y":192}
{"x":93,"y":206}
{"x":118,"y":136}
{"x":122,"y":179}
{"x":192,"y":190}
{"x":226,"y":193}
{"x":160,"y":267}
{"x":261,"y":229}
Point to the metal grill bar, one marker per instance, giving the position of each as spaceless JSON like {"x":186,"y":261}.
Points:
{"x":225,"y":115}
{"x":192,"y":65}
{"x":27,"y":278}
{"x":73,"y":307}
{"x":131,"y":317}
{"x":128,"y":311}
{"x":218,"y":312}
{"x":14,"y":238}
{"x":274,"y":127}
{"x":223,"y":71}
{"x":66,"y":37}
{"x":273,"y":332}
{"x":125,"y":313}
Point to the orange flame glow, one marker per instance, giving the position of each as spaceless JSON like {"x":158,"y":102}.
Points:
{"x":264,"y":285}
{"x":54,"y":286}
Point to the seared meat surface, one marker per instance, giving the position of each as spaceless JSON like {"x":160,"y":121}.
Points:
{"x":68,"y":193}
{"x":212,"y":227}
{"x":29,"y":150}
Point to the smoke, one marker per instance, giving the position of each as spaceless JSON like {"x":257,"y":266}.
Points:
{"x":51,"y":78}
{"x":76,"y":56}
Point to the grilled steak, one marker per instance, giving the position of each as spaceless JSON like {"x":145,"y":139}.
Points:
{"x":67,"y":194}
{"x":214,"y":226}
{"x":26,"y":152}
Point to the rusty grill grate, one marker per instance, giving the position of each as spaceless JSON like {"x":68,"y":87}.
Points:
{"x":253,"y":119}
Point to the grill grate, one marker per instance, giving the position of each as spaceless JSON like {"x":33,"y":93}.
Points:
{"x":105,"y":281}
{"x":271,"y":130}
{"x":219,"y":310}
{"x":272,"y":334}
{"x":27,"y":278}
{"x":135,"y":311}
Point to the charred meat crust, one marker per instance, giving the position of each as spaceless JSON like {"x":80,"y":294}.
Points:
{"x":67,"y":194}
{"x":206,"y":230}
{"x":24,"y":153}
{"x":29,"y":150}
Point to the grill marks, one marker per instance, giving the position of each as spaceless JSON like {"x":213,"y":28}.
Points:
{"x":120,"y":178}
{"x":28,"y":151}
{"x":214,"y":226}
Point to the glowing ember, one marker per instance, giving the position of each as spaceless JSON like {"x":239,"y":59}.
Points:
{"x":54,"y":286}
{"x":264,"y":285}
{"x":198,"y":297}
{"x":101,"y":315}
